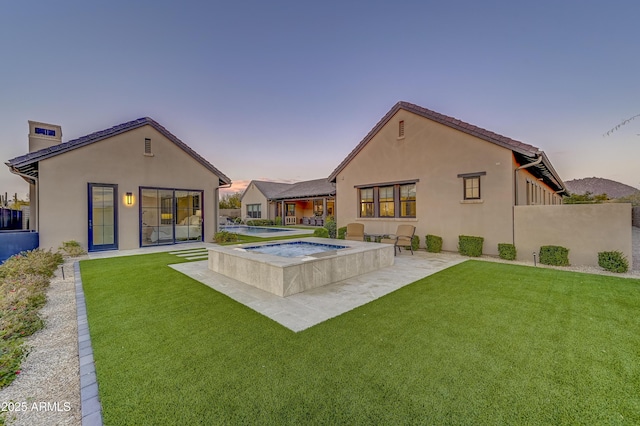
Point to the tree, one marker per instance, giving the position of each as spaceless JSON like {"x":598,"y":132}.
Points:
{"x":230,"y":201}
{"x":586,"y":198}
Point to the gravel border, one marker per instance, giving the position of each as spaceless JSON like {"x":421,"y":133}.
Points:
{"x":47,"y":391}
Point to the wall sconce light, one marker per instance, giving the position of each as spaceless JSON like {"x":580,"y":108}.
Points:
{"x":128,"y":198}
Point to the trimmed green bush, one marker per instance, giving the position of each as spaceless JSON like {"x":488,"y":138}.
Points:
{"x":278,"y":221}
{"x":225,"y":237}
{"x":72,"y":249}
{"x":507,"y":251}
{"x":613,"y":261}
{"x":260,"y":222}
{"x":554,"y":255}
{"x":470,"y":245}
{"x":415,"y":243}
{"x":330,"y":226}
{"x":433,"y":243}
{"x":321,"y":233}
{"x":342,"y":232}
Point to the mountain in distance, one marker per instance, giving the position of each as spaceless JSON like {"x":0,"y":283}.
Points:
{"x":597,"y":186}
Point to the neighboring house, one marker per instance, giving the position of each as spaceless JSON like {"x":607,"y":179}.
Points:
{"x":442,"y":175}
{"x":132,"y":185}
{"x":302,"y":202}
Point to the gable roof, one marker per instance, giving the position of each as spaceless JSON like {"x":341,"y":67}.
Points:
{"x":27,"y":164}
{"x":524,"y":152}
{"x":287,"y":191}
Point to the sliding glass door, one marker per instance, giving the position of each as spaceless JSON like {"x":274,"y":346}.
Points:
{"x":170,"y":216}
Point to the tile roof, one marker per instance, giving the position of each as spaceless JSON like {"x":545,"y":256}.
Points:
{"x":27,"y":161}
{"x":287,"y":191}
{"x":523,"y":149}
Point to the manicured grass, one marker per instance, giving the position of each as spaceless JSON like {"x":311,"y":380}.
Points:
{"x":479,"y":343}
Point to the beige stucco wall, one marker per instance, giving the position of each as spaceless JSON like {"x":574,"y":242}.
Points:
{"x":435,"y":155}
{"x":252,"y":195}
{"x":585,"y":229}
{"x":63,"y":190}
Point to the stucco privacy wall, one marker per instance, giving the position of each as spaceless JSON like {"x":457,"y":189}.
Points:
{"x":434,"y":154}
{"x":117,"y":160}
{"x":585,"y":229}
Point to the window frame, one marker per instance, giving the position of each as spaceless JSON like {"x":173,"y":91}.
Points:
{"x":374,"y":203}
{"x":254,"y":211}
{"x":471,"y":177}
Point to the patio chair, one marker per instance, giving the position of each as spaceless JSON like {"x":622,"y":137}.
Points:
{"x":319,"y":221}
{"x":355,"y":232}
{"x":402,"y":238}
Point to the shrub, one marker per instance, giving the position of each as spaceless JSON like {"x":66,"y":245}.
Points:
{"x":342,"y":232}
{"x":507,"y":251}
{"x":260,"y":222}
{"x":470,"y":246}
{"x":23,"y":280}
{"x":321,"y":233}
{"x":278,"y":221}
{"x":554,"y":255}
{"x":330,"y":226}
{"x":433,"y":243}
{"x":613,"y":261}
{"x":225,"y":237}
{"x":415,"y":243}
{"x":72,"y":249}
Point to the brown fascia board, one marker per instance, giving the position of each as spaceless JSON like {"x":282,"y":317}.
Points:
{"x":503,"y":141}
{"x":52,"y":151}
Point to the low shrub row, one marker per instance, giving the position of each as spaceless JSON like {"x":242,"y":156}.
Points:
{"x":262,"y":222}
{"x":23,"y":281}
{"x":225,"y":237}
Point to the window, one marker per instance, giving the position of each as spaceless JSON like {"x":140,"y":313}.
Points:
{"x":386,"y":205}
{"x":291,"y":209}
{"x":381,"y":200}
{"x":401,"y":129}
{"x":147,"y":146}
{"x":471,"y":185}
{"x":472,"y":188}
{"x":254,"y":211}
{"x":408,"y":200}
{"x":318,"y":208}
{"x":366,"y":202}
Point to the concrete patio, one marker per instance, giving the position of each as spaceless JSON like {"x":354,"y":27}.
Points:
{"x":303,"y":310}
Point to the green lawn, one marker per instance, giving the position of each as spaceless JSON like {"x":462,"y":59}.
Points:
{"x":479,"y":343}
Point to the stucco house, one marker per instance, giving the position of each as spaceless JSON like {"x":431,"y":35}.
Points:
{"x":442,"y":175}
{"x":132,"y":185}
{"x":308,"y":202}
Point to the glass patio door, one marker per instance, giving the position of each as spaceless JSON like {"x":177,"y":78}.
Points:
{"x":103,"y":215}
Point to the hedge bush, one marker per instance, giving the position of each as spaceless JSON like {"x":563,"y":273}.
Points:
{"x":507,"y":251}
{"x":225,"y":237}
{"x":260,"y":222}
{"x":415,"y":243}
{"x":342,"y":232}
{"x":433,"y":243}
{"x":278,"y":221}
{"x":72,"y":249}
{"x":321,"y":233}
{"x":554,"y":255}
{"x":613,"y":261}
{"x":330,"y":226}
{"x":470,"y":245}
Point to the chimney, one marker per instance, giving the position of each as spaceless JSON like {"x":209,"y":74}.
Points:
{"x":43,"y":135}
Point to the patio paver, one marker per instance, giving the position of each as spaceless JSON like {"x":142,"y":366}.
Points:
{"x":303,"y":310}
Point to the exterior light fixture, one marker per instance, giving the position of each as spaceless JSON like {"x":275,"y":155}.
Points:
{"x":128,"y":198}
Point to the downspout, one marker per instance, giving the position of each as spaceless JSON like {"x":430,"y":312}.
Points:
{"x":15,"y":171}
{"x":515,"y":200}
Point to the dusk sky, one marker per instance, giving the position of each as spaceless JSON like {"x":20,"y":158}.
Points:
{"x":284,"y":90}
